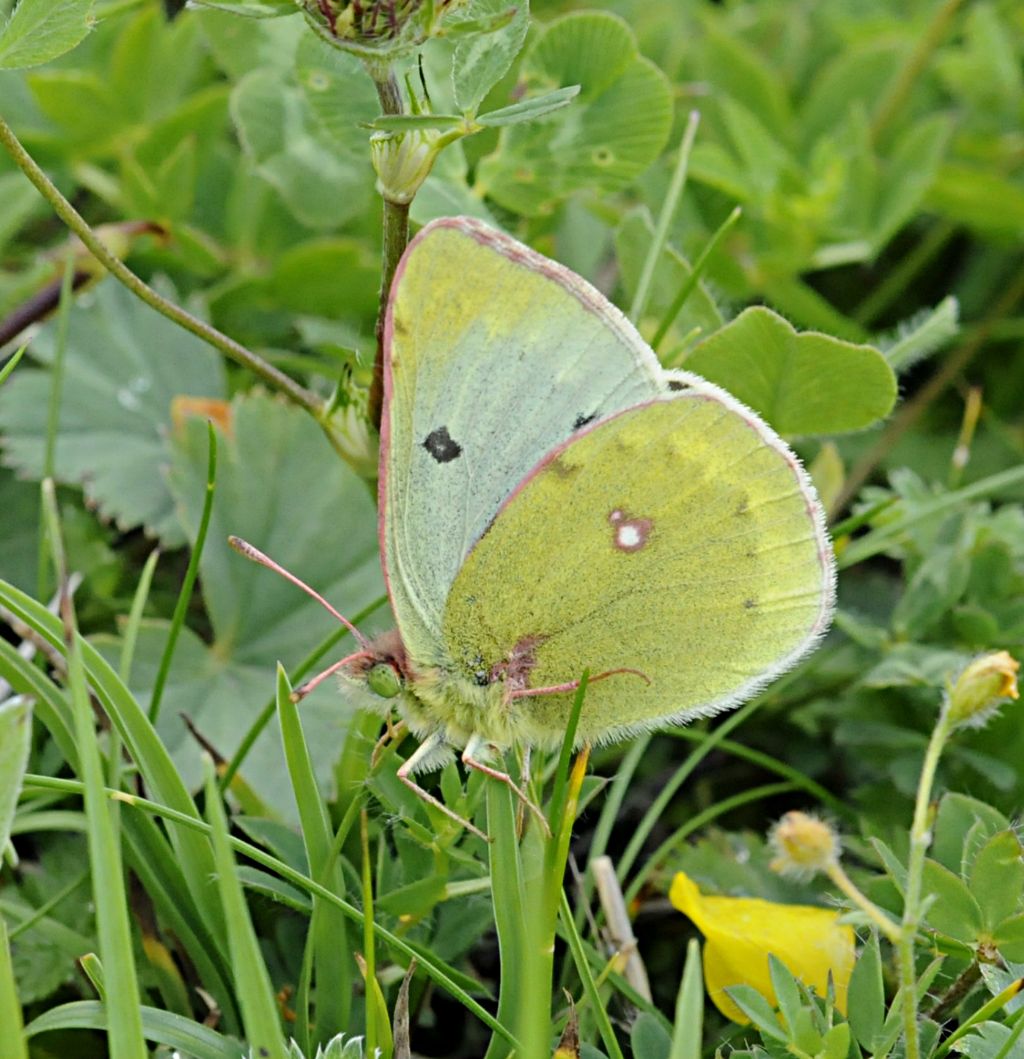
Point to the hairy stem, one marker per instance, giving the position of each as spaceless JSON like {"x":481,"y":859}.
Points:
{"x":395,"y":240}
{"x":920,"y":838}
{"x":274,"y":378}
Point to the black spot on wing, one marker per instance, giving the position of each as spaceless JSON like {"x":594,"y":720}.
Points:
{"x":582,"y":420}
{"x":676,"y":384}
{"x":442,"y":446}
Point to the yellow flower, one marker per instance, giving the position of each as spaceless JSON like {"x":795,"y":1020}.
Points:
{"x":979,"y":690}
{"x":740,"y":932}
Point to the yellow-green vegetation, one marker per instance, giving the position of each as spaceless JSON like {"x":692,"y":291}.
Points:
{"x":818,"y":208}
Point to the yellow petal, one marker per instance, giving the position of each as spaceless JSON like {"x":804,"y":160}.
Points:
{"x":740,"y":932}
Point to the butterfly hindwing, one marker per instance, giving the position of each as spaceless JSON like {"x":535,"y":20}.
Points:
{"x":680,"y":538}
{"x":494,"y":356}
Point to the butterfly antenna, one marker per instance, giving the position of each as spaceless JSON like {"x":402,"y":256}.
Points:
{"x":304,"y":689}
{"x":250,"y":552}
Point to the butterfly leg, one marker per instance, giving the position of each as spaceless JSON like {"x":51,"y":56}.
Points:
{"x":392,"y":733}
{"x":473,"y":747}
{"x":420,"y":755}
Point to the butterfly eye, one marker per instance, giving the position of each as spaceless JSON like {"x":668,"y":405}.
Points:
{"x":383,"y":680}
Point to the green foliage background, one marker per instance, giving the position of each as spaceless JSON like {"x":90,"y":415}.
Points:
{"x":867,"y":302}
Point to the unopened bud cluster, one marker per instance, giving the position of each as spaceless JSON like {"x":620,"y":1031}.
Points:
{"x":377,"y":28}
{"x":803,"y":845}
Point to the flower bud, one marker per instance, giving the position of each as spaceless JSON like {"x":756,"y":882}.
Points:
{"x":403,"y":160}
{"x":803,"y":845}
{"x":982,"y":688}
{"x":377,"y":29}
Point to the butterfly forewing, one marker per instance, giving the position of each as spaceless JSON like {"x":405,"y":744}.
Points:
{"x":494,"y":356}
{"x":680,"y":538}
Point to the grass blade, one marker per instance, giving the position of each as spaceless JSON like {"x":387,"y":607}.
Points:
{"x":112,"y":922}
{"x":579,"y":958}
{"x":188,"y":583}
{"x":331,"y":955}
{"x":143,"y":744}
{"x":686,"y":1036}
{"x":12,"y":1041}
{"x":668,"y":209}
{"x":252,"y":980}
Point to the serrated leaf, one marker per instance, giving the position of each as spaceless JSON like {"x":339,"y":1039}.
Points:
{"x":125,"y":366}
{"x":802,"y":383}
{"x":997,"y":878}
{"x":40,"y":30}
{"x":281,"y":486}
{"x":530,"y":109}
{"x":482,"y":59}
{"x":954,"y":910}
{"x":616,"y":128}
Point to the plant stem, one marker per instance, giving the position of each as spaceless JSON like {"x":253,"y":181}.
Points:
{"x":274,"y":378}
{"x":903,"y":82}
{"x":395,"y":240}
{"x":844,"y":883}
{"x":920,"y":837}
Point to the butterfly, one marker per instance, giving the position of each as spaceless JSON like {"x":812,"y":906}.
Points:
{"x":553,"y":501}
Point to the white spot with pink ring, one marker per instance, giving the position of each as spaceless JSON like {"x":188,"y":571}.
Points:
{"x":631,"y":534}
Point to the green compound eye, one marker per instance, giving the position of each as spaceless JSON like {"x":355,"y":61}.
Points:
{"x":384,"y":680}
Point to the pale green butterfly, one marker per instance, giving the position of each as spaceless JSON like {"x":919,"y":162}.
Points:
{"x":553,"y":501}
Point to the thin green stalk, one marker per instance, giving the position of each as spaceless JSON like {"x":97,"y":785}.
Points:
{"x":509,"y":899}
{"x":679,"y":777}
{"x":275,"y":379}
{"x":900,"y":87}
{"x":252,"y":979}
{"x":687,"y":1042}
{"x":12,"y":1040}
{"x":920,"y":837}
{"x":53,"y":413}
{"x":773,"y":764}
{"x":898,"y":278}
{"x":185,"y":595}
{"x":12,"y":363}
{"x":125,"y":1037}
{"x":668,"y":210}
{"x":579,"y":957}
{"x":332,"y":959}
{"x":691,"y":281}
{"x":395,"y":222}
{"x":124,"y":669}
{"x":950,"y":369}
{"x":695,"y":823}
{"x":878,"y":540}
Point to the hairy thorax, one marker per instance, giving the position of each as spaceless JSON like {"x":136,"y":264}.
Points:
{"x":438,"y":699}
